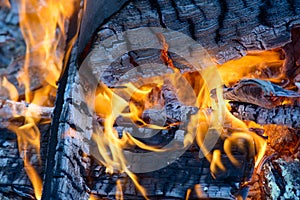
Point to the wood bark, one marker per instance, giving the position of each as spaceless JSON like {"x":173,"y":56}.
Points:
{"x":280,"y":115}
{"x":10,"y":109}
{"x":259,"y":92}
{"x":227,"y":29}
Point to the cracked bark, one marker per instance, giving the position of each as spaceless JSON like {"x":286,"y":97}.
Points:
{"x":228,"y":38}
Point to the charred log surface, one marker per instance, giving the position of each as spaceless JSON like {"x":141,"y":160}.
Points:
{"x":67,"y":163}
{"x":292,"y":52}
{"x":173,"y":181}
{"x":259,"y":92}
{"x":282,"y":179}
{"x":280,"y":115}
{"x":223,"y":29}
{"x":273,"y":178}
{"x":98,"y":12}
{"x":12,"y":44}
{"x":77,"y":175}
{"x":14,"y":182}
{"x":226,"y":28}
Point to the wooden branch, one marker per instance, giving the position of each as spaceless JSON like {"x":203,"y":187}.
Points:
{"x":280,"y":115}
{"x":10,"y":109}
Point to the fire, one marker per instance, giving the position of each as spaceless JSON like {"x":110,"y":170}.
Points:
{"x":119,"y":192}
{"x":212,"y":121}
{"x":7,"y":87}
{"x":43,"y":25}
{"x":261,"y":64}
{"x":5,"y":3}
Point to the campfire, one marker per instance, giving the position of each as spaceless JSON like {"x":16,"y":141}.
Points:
{"x":149,"y":100}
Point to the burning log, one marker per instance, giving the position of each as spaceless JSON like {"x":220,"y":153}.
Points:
{"x":259,"y":92}
{"x":280,"y":115}
{"x":69,"y":168}
{"x":10,"y":109}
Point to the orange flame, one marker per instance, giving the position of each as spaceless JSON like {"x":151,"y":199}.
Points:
{"x":28,"y":137}
{"x":5,"y":4}
{"x":262,"y":64}
{"x":43,"y":28}
{"x":119,"y":192}
{"x":9,"y":88}
{"x":188,"y":193}
{"x":131,"y":100}
{"x":164,"y":53}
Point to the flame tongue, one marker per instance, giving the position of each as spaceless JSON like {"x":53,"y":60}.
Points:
{"x":43,"y":27}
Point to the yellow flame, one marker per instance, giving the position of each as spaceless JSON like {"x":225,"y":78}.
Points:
{"x":5,"y":4}
{"x":133,"y":99}
{"x":254,"y":64}
{"x":43,"y":28}
{"x":93,"y":197}
{"x":42,"y":24}
{"x":188,"y":193}
{"x":28,"y":137}
{"x":119,"y":190}
{"x":6,"y":86}
{"x":198,"y":190}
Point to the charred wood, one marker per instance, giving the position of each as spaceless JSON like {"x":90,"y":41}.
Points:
{"x":280,"y":115}
{"x":259,"y":92}
{"x":10,"y":109}
{"x":225,"y":35}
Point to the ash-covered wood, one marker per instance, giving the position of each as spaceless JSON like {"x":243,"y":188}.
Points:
{"x":75,"y":176}
{"x":12,"y":44}
{"x":14,"y":182}
{"x":225,"y":35}
{"x":259,"y":92}
{"x":280,"y":115}
{"x":226,"y":28}
{"x":10,"y":109}
{"x":282,"y":179}
{"x":276,"y":177}
{"x":173,"y":181}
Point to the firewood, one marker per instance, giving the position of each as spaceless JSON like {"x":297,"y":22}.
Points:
{"x":227,"y":29}
{"x":259,"y":92}
{"x":10,"y":109}
{"x":280,"y":115}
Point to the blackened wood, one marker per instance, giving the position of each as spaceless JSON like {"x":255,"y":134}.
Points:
{"x":216,"y":30}
{"x":259,"y":92}
{"x":210,"y":24}
{"x":292,"y":55}
{"x":96,"y":12}
{"x":51,"y":185}
{"x":227,"y":29}
{"x":280,"y":115}
{"x":281,"y":177}
{"x":14,"y":182}
{"x":173,"y":181}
